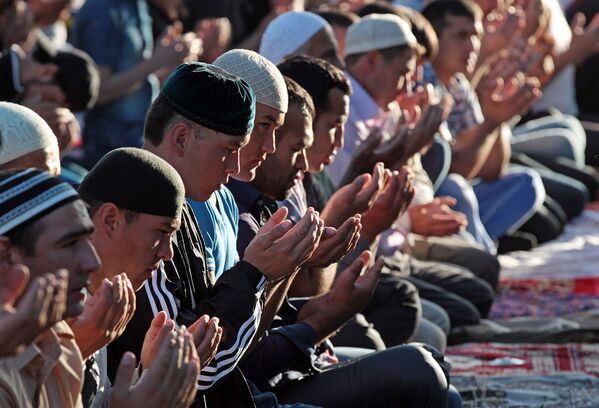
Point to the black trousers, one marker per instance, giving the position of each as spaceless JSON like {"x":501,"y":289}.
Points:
{"x":405,"y":376}
{"x":465,"y":297}
{"x":394,"y":312}
{"x":457,"y":251}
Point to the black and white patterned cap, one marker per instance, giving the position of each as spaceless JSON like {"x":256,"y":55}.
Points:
{"x":27,"y":195}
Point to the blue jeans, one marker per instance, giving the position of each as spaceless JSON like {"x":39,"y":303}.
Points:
{"x":508,"y":202}
{"x":459,"y":188}
{"x":552,"y":136}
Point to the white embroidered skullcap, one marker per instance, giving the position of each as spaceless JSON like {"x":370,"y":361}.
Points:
{"x":288,"y":32}
{"x":263,"y":76}
{"x":377,"y":32}
{"x":22,"y":131}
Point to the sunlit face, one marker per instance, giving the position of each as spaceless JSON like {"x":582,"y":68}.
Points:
{"x":322,"y":45}
{"x":285,"y":167}
{"x":140,"y":244}
{"x":329,"y":127}
{"x":340,"y":33}
{"x":64,"y":241}
{"x":389,"y":78}
{"x":209,"y":159}
{"x":262,"y":141}
{"x":459,"y":45}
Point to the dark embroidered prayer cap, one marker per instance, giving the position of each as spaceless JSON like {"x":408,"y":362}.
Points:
{"x":135,"y":180}
{"x":28,"y":195}
{"x":211,"y":97}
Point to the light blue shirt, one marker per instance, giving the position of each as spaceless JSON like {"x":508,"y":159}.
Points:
{"x":219,"y":228}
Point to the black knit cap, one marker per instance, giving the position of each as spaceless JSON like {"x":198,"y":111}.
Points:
{"x":135,"y":180}
{"x":211,"y":97}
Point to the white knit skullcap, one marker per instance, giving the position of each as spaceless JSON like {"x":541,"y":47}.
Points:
{"x":288,"y":32}
{"x":263,"y":76}
{"x":377,"y":32}
{"x":22,"y":131}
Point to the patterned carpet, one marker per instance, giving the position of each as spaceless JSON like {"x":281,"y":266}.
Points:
{"x":557,"y":279}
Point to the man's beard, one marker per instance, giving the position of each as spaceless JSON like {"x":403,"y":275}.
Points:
{"x":272,"y":186}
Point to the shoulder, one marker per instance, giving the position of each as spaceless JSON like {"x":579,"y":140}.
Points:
{"x":228,"y":201}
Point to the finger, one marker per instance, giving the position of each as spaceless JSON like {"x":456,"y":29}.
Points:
{"x":277,"y":218}
{"x":160,"y":337}
{"x":207,"y":348}
{"x":356,"y":237}
{"x":336,"y":248}
{"x":33,"y":301}
{"x":117,"y":289}
{"x":348,"y":277}
{"x":378,"y":180}
{"x":392,"y":187}
{"x":348,"y":244}
{"x":167,"y":360}
{"x":132,"y":300}
{"x":307,"y":245}
{"x":356,"y":186}
{"x":373,"y":185}
{"x":124,"y":375}
{"x":328,"y":233}
{"x":444,"y":228}
{"x":370,"y":278}
{"x":447,"y":218}
{"x":577,"y":24}
{"x":103,"y":294}
{"x":266,"y":240}
{"x":320,"y":230}
{"x":348,"y":229}
{"x":192,"y":375}
{"x":198,"y":329}
{"x":182,"y":358}
{"x":157,"y":323}
{"x":48,"y":296}
{"x":123,"y":304}
{"x":189,"y":378}
{"x":107,"y":307}
{"x":300,"y":239}
{"x":446,"y":200}
{"x":58,"y":306}
{"x":13,"y":284}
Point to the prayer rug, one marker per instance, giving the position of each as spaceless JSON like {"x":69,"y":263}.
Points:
{"x":567,"y":390}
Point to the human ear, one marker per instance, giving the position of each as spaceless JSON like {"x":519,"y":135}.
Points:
{"x":5,"y":254}
{"x":107,"y":220}
{"x":178,"y":138}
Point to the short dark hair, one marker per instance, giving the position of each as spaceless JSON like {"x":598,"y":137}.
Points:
{"x":423,"y":31}
{"x":377,"y":7}
{"x":339,"y":17}
{"x":299,"y":97}
{"x":436,"y":12}
{"x":94,"y":205}
{"x":25,"y":236}
{"x":317,"y":77}
{"x":388,"y":54}
{"x":158,"y":117}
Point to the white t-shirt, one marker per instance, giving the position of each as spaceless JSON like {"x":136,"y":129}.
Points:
{"x":560,"y":93}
